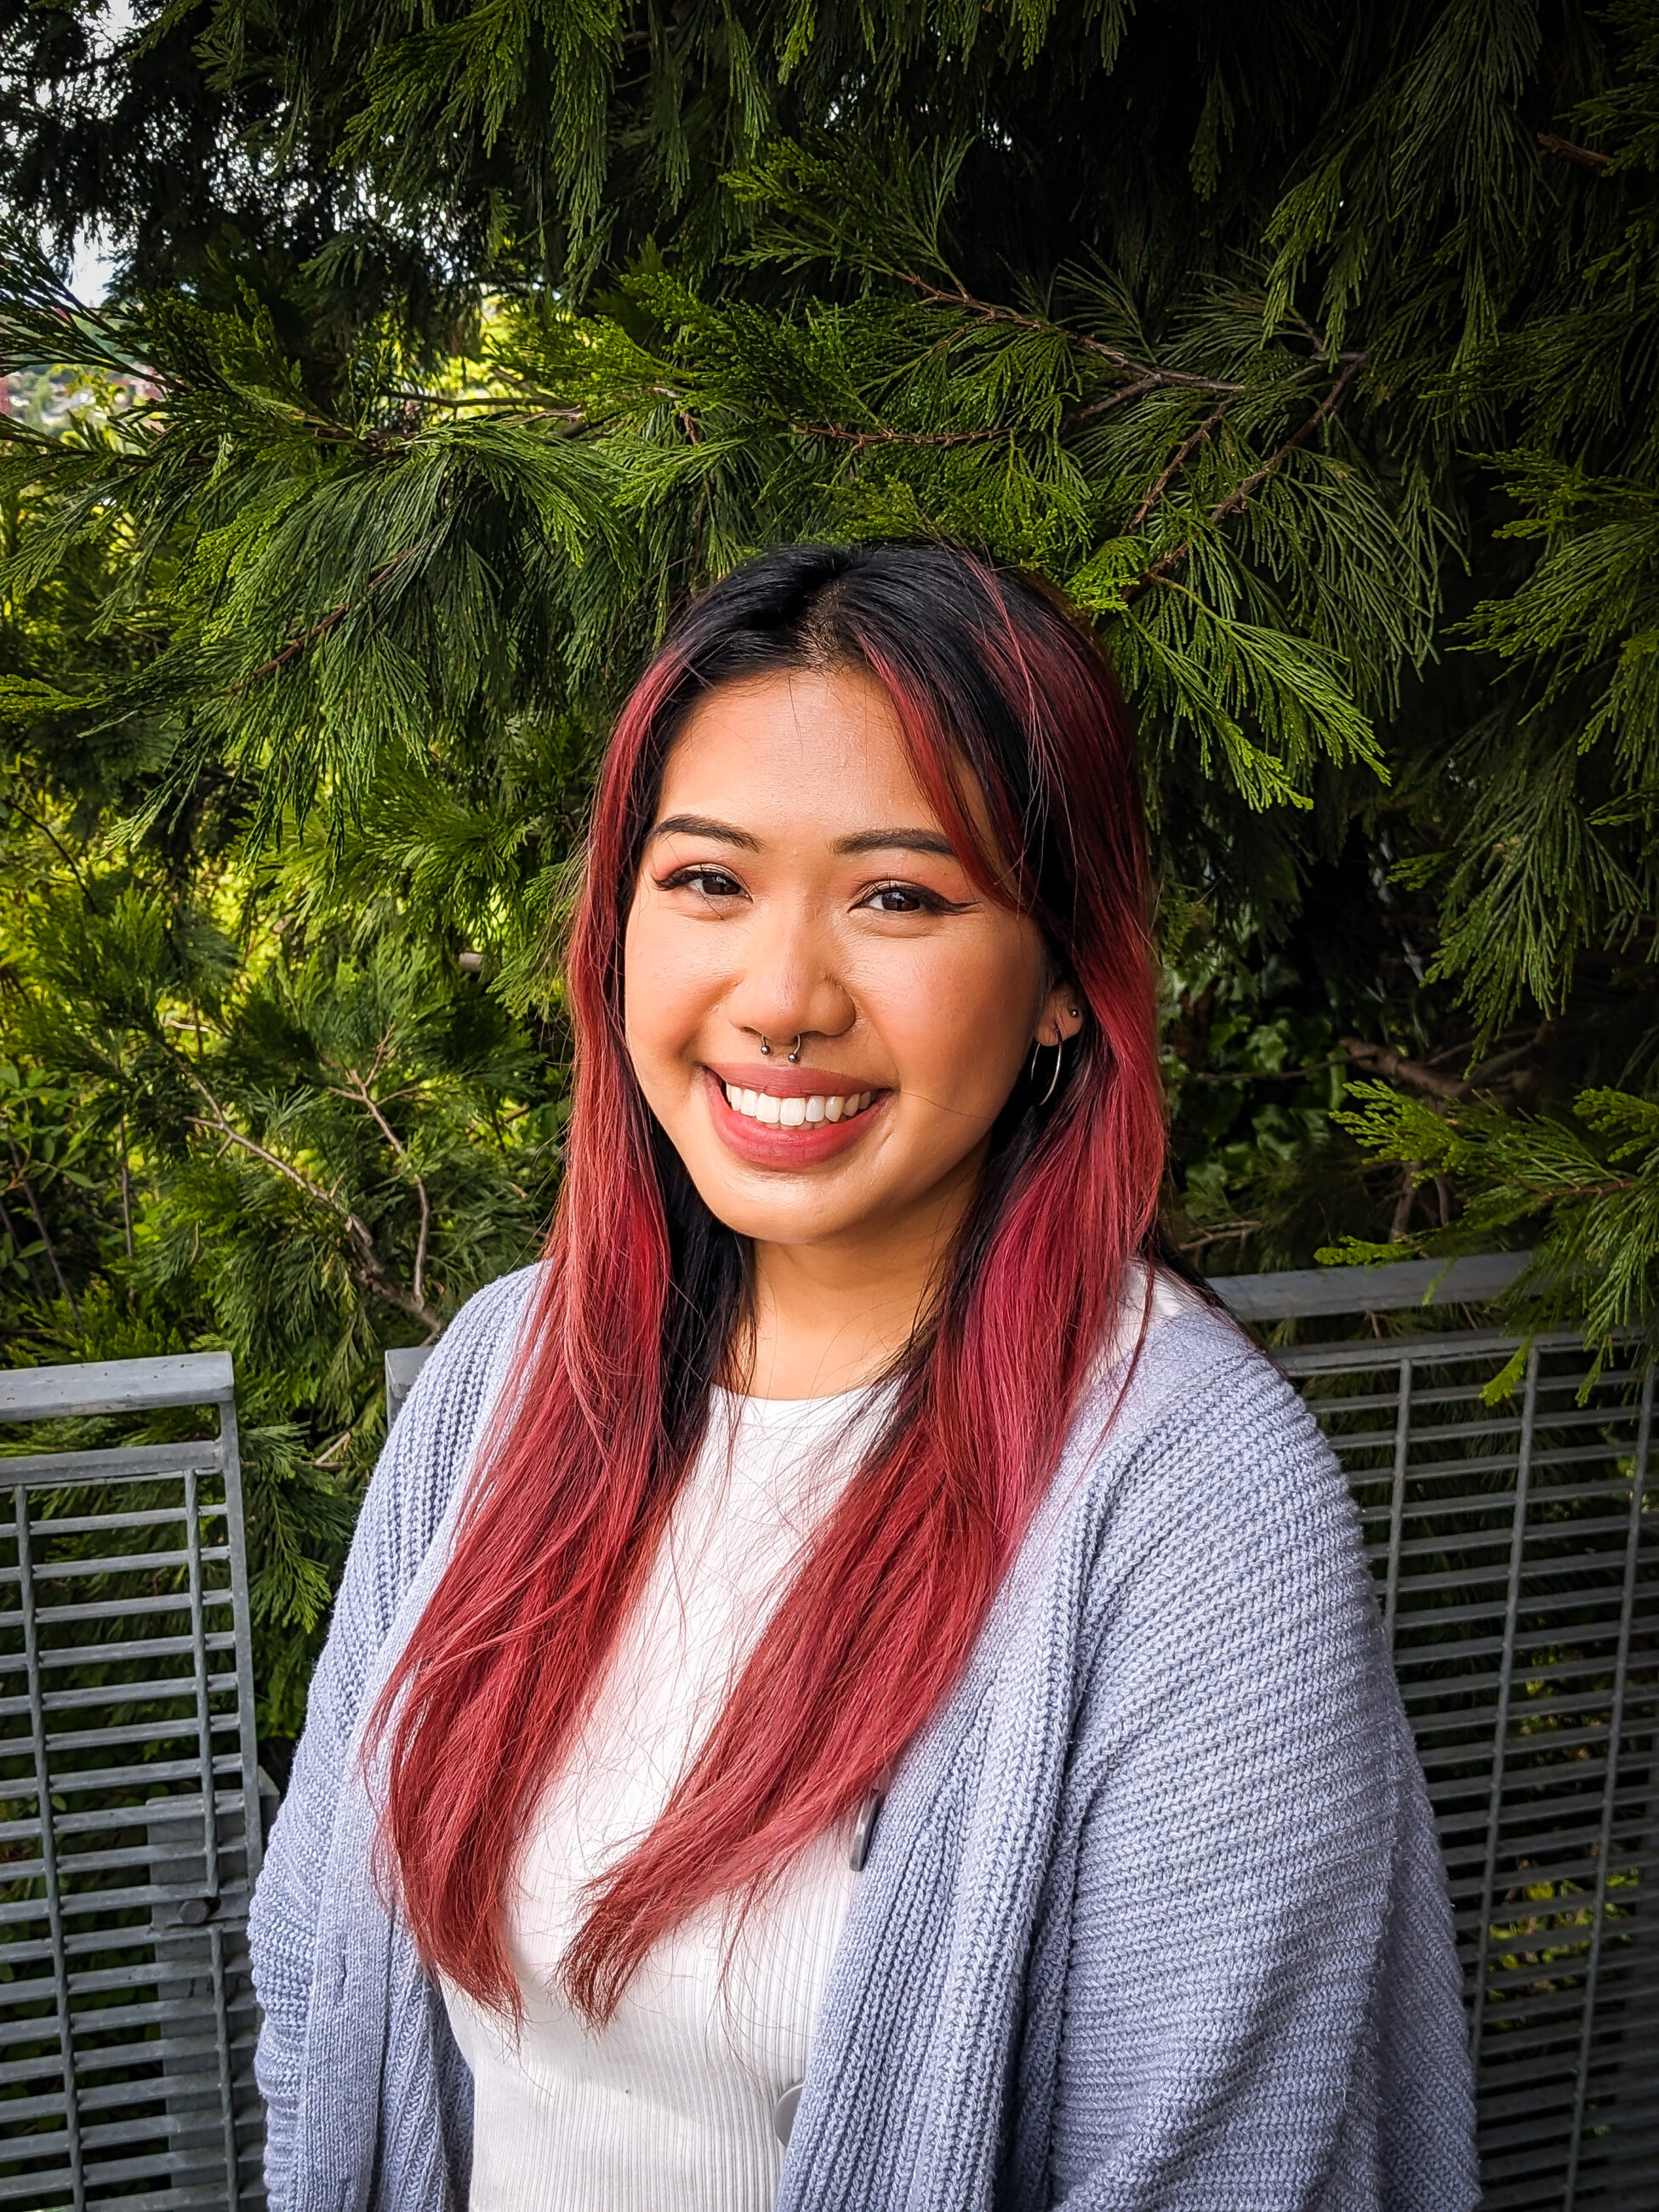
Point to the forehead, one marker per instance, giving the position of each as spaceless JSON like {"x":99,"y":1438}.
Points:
{"x":805,"y":749}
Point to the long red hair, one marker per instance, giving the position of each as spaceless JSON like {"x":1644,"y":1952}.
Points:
{"x":1004,"y":701}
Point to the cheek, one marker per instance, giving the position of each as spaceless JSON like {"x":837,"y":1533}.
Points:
{"x":657,"y":1001}
{"x":963,"y":1018}
{"x":668,"y":981}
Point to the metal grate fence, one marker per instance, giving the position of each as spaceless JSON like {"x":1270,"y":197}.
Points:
{"x":1515,"y":1546}
{"x":128,"y":1804}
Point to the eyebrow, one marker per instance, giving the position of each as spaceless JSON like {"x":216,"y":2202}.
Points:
{"x":864,"y":840}
{"x":898,"y":840}
{"x":703,"y":825}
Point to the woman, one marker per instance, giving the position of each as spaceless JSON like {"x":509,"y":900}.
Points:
{"x":853,"y":1689}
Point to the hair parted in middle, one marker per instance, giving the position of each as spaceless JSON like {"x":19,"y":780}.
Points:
{"x":1010,"y":718}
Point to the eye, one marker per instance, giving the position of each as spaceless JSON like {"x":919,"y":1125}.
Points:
{"x":703,"y":877}
{"x":907,"y":898}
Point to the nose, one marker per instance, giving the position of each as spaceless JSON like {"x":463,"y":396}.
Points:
{"x":787,"y":986}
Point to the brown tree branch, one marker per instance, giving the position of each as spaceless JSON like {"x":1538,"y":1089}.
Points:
{"x":1382,"y":1060}
{"x":1241,"y":494}
{"x":884,"y":436}
{"x":360,"y":1092}
{"x":1422,"y":1075}
{"x":983,"y":311}
{"x":297,"y":646}
{"x":126,"y":1195}
{"x":20,"y":1182}
{"x":1183,"y":453}
{"x":1230,"y":1232}
{"x":1262,"y":1074}
{"x":511,"y":402}
{"x":1404,"y":1203}
{"x":375,"y":1276}
{"x":62,"y":851}
{"x":1563,"y":150}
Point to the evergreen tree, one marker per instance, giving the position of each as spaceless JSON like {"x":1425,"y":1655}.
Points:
{"x":1308,"y":347}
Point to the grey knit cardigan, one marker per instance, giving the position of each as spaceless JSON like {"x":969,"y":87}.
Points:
{"x":1153,"y":1919}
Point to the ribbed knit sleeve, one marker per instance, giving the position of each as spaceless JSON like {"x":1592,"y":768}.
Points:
{"x":1259,"y":2005}
{"x":429,"y":1450}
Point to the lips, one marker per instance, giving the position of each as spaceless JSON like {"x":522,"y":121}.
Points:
{"x":789,"y":1116}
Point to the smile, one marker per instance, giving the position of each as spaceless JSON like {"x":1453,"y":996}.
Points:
{"x":796,"y":1113}
{"x":785,"y":1120}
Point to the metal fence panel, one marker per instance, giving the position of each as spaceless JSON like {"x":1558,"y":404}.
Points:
{"x":128,"y":1804}
{"x":1515,"y":1545}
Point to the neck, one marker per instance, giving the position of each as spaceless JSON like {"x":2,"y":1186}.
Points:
{"x":829,"y":1316}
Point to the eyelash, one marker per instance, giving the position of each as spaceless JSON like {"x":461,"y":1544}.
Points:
{"x":927,"y":902}
{"x":698,"y":877}
{"x":695,"y":878}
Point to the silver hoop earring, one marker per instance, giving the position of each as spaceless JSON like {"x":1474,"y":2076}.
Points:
{"x":1054,"y":1081}
{"x":766,"y":1049}
{"x":795,"y":1054}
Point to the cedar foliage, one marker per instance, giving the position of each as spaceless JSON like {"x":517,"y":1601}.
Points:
{"x":1311,"y":348}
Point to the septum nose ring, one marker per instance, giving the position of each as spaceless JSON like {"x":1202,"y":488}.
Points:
{"x":794,"y":1051}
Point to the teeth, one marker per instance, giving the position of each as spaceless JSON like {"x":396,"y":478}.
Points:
{"x":796,"y":1113}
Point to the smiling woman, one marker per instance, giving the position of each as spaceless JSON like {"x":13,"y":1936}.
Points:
{"x":854,"y":1685}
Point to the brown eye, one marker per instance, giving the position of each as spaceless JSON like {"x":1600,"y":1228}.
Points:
{"x":709,"y":882}
{"x":907,"y":898}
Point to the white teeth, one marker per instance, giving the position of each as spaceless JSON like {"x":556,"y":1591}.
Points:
{"x":796,"y":1113}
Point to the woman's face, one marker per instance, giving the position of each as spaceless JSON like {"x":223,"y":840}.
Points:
{"x":797,"y":890}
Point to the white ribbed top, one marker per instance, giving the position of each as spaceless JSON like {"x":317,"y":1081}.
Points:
{"x":673,"y":2104}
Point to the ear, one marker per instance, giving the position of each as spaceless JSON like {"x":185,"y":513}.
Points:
{"x":1062,"y":1015}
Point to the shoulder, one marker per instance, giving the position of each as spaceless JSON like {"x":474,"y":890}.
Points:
{"x":433,"y":1441}
{"x":483,"y":1327}
{"x":1199,"y":1462}
{"x":466,"y":1366}
{"x":1222,"y":1597}
{"x":1200,"y":1390}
